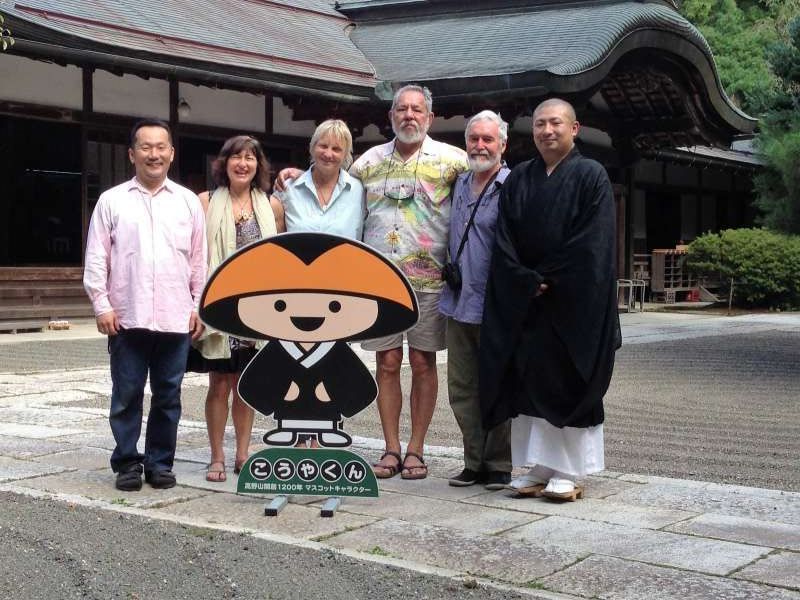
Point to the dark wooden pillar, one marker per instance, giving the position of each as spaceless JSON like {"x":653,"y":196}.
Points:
{"x":621,"y":204}
{"x":699,"y":199}
{"x":87,"y":109}
{"x":630,"y":176}
{"x":174,"y":124}
{"x":627,"y":156}
{"x":269,"y":115}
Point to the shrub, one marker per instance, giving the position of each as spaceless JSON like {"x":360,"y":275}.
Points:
{"x":764,"y":266}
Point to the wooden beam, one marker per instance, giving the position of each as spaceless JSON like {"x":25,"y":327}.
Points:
{"x":174,"y":97}
{"x":41,"y":273}
{"x":174,"y":123}
{"x":269,"y":114}
{"x":37,"y":111}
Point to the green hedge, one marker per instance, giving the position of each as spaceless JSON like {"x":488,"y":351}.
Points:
{"x":765,"y":266}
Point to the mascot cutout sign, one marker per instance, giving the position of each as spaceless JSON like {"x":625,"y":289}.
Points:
{"x":308,"y":294}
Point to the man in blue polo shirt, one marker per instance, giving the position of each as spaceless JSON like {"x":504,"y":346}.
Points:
{"x":487,"y":454}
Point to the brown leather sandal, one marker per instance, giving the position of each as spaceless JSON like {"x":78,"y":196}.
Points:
{"x":392,"y":469}
{"x":407,"y":473}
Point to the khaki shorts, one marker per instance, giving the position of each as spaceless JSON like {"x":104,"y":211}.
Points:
{"x":427,"y":335}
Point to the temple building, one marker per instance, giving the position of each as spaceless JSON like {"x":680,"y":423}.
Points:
{"x":642,"y":79}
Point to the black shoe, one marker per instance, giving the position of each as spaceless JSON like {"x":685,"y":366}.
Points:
{"x":497,"y":480}
{"x":130,"y":479}
{"x":161,"y":480}
{"x":466,"y":478}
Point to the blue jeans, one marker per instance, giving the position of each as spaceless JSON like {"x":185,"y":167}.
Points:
{"x":134,"y":352}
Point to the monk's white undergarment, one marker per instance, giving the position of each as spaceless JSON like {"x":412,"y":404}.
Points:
{"x":574,"y":451}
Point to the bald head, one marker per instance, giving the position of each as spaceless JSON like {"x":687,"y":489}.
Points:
{"x":558,"y":104}
{"x":554,"y":130}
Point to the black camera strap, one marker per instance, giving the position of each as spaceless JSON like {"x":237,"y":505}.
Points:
{"x":472,"y":216}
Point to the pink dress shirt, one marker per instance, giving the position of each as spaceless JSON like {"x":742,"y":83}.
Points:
{"x":146,"y":256}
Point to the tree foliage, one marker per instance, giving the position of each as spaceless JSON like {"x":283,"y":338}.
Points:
{"x":756,"y":44}
{"x":763,"y":266}
{"x":6,"y":41}
{"x":778,"y":186}
{"x":738,"y":31}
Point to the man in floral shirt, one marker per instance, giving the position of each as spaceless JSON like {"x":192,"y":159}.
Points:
{"x":408,"y":183}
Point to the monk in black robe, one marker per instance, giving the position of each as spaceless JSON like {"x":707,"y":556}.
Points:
{"x":550,"y":325}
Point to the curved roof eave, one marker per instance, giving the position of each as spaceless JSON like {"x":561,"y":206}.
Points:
{"x":539,"y":83}
{"x":106,"y":45}
{"x":682,"y":48}
{"x":592,"y":40}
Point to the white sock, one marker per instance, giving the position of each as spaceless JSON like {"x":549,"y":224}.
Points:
{"x":560,"y":483}
{"x":536,"y":474}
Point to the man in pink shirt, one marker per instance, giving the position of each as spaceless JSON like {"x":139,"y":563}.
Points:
{"x":144,"y":273}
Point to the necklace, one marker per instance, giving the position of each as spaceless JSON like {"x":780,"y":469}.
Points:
{"x":244,"y":215}
{"x":324,"y":191}
{"x":325,"y":195}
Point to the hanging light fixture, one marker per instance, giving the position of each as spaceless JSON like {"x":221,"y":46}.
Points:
{"x":184,"y":110}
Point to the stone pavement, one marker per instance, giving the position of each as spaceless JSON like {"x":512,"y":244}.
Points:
{"x":631,"y":537}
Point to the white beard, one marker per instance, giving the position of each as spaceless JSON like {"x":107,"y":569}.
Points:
{"x":410,"y":138}
{"x":481,"y":164}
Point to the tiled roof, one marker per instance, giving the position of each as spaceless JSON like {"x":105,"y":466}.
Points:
{"x":355,"y":50}
{"x":537,"y":48}
{"x":295,"y":38}
{"x":558,"y":39}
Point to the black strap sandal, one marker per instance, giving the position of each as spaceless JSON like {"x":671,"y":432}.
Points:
{"x":406,"y":472}
{"x":392,"y":469}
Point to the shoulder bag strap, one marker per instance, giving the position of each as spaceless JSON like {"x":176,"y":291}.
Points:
{"x":472,"y":216}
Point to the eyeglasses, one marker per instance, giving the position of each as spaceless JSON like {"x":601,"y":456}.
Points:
{"x":402,"y":192}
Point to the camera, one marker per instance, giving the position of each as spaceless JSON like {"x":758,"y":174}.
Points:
{"x":451,"y":275}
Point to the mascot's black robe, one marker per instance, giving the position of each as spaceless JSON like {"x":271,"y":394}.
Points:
{"x":265,"y":381}
{"x":552,"y":356}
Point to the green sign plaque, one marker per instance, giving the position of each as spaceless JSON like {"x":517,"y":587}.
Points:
{"x":306,"y":471}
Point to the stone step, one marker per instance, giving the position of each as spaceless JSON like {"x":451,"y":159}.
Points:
{"x":47,"y":312}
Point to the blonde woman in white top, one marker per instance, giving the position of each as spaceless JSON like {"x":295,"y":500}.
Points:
{"x":326,"y":198}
